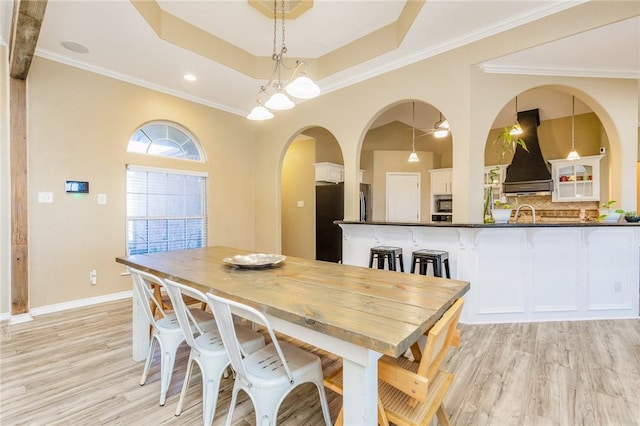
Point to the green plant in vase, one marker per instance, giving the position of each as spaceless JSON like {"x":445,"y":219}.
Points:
{"x":608,"y":214}
{"x":504,"y":142}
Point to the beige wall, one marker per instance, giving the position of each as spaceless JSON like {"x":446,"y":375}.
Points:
{"x":79,"y":126}
{"x":396,"y":161}
{"x":5,"y":185}
{"x":298,"y":184}
{"x":470,"y":99}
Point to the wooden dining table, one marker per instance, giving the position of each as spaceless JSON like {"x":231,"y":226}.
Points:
{"x":356,"y":313}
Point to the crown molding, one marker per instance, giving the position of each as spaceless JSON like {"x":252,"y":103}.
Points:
{"x":560,"y":71}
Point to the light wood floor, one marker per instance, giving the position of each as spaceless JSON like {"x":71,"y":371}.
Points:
{"x":75,"y":368}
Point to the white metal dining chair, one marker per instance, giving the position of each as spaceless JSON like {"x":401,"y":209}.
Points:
{"x":207,"y":349}
{"x":269,"y":374}
{"x":166,"y":331}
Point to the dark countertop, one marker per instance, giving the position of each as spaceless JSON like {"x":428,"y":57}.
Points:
{"x":492,"y":225}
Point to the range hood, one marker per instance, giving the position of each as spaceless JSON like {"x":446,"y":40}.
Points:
{"x":528,"y":172}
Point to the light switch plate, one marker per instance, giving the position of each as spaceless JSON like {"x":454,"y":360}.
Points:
{"x":45,"y":197}
{"x":102,"y":198}
{"x":300,"y":203}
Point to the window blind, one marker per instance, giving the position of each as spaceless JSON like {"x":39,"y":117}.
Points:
{"x":166,"y":210}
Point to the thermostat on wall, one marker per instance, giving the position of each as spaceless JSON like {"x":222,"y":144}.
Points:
{"x":77,"y":186}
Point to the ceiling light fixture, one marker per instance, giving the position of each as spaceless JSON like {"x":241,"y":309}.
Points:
{"x":413,"y":157}
{"x":75,"y":46}
{"x":441,"y":128}
{"x":301,"y":87}
{"x":190,"y":77}
{"x":573,"y":154}
{"x":516,"y":129}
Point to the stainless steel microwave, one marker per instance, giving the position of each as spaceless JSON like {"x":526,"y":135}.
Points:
{"x":441,"y":218}
{"x":444,"y":205}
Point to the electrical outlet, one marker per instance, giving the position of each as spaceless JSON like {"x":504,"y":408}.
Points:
{"x":617,"y":286}
{"x":93,"y":277}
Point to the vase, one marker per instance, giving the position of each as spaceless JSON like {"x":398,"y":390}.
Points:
{"x":609,"y":216}
{"x":501,"y":215}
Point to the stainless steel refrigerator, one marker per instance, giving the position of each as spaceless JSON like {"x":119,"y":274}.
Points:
{"x":329,"y":208}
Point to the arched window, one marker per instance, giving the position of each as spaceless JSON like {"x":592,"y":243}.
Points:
{"x":165,"y":139}
{"x":166,"y":209}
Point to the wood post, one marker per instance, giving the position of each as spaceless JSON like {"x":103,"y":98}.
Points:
{"x":19,"y":205}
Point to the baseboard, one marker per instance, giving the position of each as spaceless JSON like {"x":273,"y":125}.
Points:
{"x":48,"y":309}
{"x":17,"y":319}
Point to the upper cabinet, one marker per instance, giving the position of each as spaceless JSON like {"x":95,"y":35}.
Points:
{"x":441,"y":181}
{"x":329,"y":172}
{"x":498,"y":179}
{"x":576,"y":180}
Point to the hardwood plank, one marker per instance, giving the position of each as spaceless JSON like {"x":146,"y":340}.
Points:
{"x":75,"y":367}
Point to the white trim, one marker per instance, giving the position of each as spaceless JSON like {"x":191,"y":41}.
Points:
{"x":164,"y":170}
{"x":560,"y":72}
{"x":48,"y":309}
{"x":17,"y":319}
{"x":6,"y":316}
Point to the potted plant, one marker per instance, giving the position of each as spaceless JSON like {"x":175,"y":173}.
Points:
{"x":608,"y":214}
{"x":501,"y":212}
{"x":631,"y":216}
{"x":504,"y":142}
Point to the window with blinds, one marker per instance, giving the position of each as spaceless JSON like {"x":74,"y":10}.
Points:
{"x":166,"y":210}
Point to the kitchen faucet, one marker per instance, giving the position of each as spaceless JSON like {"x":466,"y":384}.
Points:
{"x":533,"y":212}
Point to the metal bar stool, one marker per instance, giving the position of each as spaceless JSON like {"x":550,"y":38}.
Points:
{"x":386,"y":252}
{"x":437,"y":258}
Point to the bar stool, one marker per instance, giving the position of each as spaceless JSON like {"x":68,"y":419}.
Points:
{"x":436,"y":257}
{"x":386,"y":252}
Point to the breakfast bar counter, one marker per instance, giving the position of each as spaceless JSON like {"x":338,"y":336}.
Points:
{"x":522,"y":272}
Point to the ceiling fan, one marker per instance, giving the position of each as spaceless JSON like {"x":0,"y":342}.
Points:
{"x":440,"y":129}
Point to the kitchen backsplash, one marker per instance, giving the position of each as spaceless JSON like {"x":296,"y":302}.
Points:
{"x":548,"y":211}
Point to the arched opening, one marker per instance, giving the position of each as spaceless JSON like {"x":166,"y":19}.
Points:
{"x":407,"y":127}
{"x":312,"y":196}
{"x":578,"y":186}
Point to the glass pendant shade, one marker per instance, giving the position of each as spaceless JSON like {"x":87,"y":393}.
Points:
{"x":413,"y":157}
{"x":279,"y":102}
{"x":303,"y":88}
{"x":259,"y":113}
{"x":573,"y":154}
{"x":516,"y":129}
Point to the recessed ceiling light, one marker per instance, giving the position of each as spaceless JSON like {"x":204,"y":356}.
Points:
{"x":75,"y":47}
{"x":190,"y":77}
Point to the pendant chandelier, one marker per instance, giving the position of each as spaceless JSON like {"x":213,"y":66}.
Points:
{"x":516,"y":129}
{"x":413,"y":157}
{"x":573,"y":154}
{"x":301,"y":87}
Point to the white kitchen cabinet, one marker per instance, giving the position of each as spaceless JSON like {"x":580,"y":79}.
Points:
{"x":576,"y":180}
{"x":441,"y":181}
{"x":329,"y":172}
{"x":497,"y":181}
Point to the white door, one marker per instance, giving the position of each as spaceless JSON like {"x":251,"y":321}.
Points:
{"x":403,"y":197}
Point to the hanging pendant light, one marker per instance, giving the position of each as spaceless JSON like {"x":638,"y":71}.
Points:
{"x":573,"y":154}
{"x":516,"y":129}
{"x":297,"y":85}
{"x":413,"y":157}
